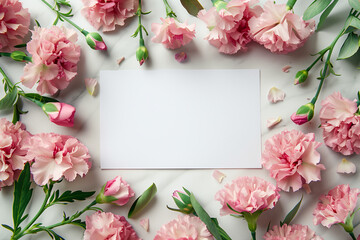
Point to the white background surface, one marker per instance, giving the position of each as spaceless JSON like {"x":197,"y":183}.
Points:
{"x":201,"y":56}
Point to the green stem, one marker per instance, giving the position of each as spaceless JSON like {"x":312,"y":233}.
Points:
{"x":290,"y":4}
{"x":169,"y":11}
{"x":352,"y":235}
{"x":7,"y":80}
{"x":253,"y":235}
{"x":321,"y":54}
{"x":139,"y":11}
{"x":83,"y":31}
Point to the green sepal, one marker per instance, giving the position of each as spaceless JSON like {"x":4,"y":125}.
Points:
{"x":143,"y":200}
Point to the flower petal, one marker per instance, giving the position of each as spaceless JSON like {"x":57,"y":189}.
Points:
{"x":219,"y":176}
{"x":181,"y":57}
{"x":145,"y":223}
{"x":120,"y":60}
{"x":286,"y":68}
{"x":271,"y":122}
{"x":346,"y":166}
{"x":275,"y":95}
{"x":90,"y":84}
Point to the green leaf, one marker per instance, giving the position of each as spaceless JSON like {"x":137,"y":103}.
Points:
{"x":355,"y":4}
{"x":354,"y":22}
{"x":79,"y":223}
{"x":143,"y":200}
{"x":63,"y":2}
{"x":38,"y":99}
{"x":10,"y":99}
{"x":315,"y":8}
{"x":22,"y":195}
{"x":7,"y":227}
{"x":69,"y":196}
{"x":223,"y":234}
{"x":37,"y":23}
{"x":326,"y":13}
{"x":289,"y":217}
{"x":16,"y":112}
{"x":204,"y":216}
{"x":350,"y":46}
{"x":192,"y":6}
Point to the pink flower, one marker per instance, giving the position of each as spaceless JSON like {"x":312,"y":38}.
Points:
{"x":279,"y":29}
{"x":185,"y":227}
{"x":13,"y":154}
{"x":14,"y":24}
{"x":247,"y":194}
{"x":340,"y":124}
{"x":291,"y":232}
{"x":56,"y":156}
{"x":108,"y":14}
{"x":60,"y":113}
{"x":229,"y":30}
{"x":171,"y":33}
{"x":336,"y":206}
{"x":55,"y":56}
{"x":292,"y":159}
{"x":115,"y":191}
{"x":106,"y":225}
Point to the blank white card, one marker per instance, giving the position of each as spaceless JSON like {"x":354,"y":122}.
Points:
{"x":180,"y":119}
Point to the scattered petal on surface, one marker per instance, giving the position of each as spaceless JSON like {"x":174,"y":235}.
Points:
{"x":275,"y":95}
{"x":219,"y":176}
{"x":346,"y":166}
{"x":271,"y":122}
{"x":90,"y":84}
{"x":145,"y":223}
{"x":286,"y":68}
{"x":120,"y":60}
{"x":181,"y":57}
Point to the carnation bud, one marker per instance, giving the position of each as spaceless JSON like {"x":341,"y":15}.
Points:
{"x":142,"y":54}
{"x":20,"y":56}
{"x":95,"y":41}
{"x":182,"y":200}
{"x":60,"y":113}
{"x":304,"y":114}
{"x":301,"y":76}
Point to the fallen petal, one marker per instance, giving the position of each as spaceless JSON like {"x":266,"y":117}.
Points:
{"x":145,"y":223}
{"x":346,"y":166}
{"x":286,"y":68}
{"x":219,"y":176}
{"x":181,"y":57}
{"x":273,"y":121}
{"x":275,"y":95}
{"x":120,"y":60}
{"x":90,"y":84}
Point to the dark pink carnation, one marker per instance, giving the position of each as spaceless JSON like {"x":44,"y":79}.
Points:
{"x":14,"y":24}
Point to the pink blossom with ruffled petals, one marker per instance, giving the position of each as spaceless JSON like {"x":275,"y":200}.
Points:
{"x":184,"y":228}
{"x":336,"y":206}
{"x":292,"y":159}
{"x":119,"y":189}
{"x":172,"y":34}
{"x":340,"y":124}
{"x":106,"y":226}
{"x":13,"y":154}
{"x":54,"y":59}
{"x":229,"y":30}
{"x":247,"y":194}
{"x":108,"y":14}
{"x":56,"y":156}
{"x":14,"y":24}
{"x":291,"y":232}
{"x":280,"y":30}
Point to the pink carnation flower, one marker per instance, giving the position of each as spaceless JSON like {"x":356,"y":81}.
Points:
{"x":341,"y":127}
{"x":229,"y":30}
{"x":56,"y":156}
{"x":280,"y":30}
{"x":55,"y":56}
{"x":292,"y":159}
{"x":13,"y":154}
{"x":291,"y":232}
{"x":106,"y":225}
{"x":183,"y":228}
{"x":116,"y":191}
{"x":247,"y":194}
{"x":336,"y":206}
{"x":14,"y":24}
{"x":108,"y":14}
{"x":172,"y":34}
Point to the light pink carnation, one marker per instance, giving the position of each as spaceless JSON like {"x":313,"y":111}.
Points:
{"x":336,"y":205}
{"x":247,"y":194}
{"x":108,"y":226}
{"x":341,"y":127}
{"x":291,"y":232}
{"x":56,"y":156}
{"x":54,"y":59}
{"x":292,"y":159}
{"x":14,"y":24}
{"x":172,"y":34}
{"x":108,"y":14}
{"x":229,"y":30}
{"x":13,"y":154}
{"x":280,"y":30}
{"x":184,"y":228}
